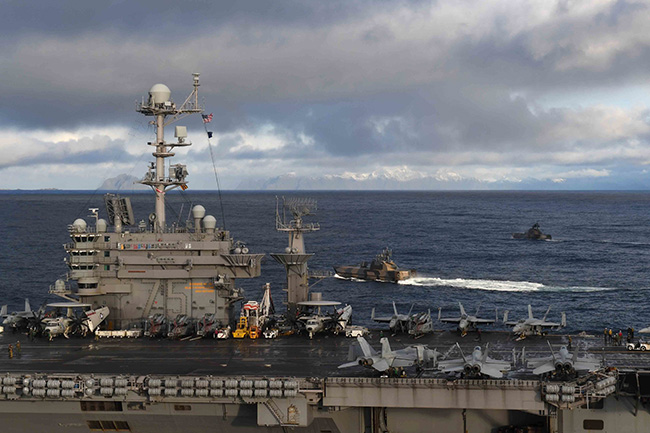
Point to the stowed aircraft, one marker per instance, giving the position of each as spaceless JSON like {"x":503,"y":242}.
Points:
{"x":19,"y":319}
{"x":533,"y":326}
{"x":397,"y":322}
{"x":562,"y":364}
{"x":208,"y":325}
{"x":72,"y":322}
{"x":318,"y":322}
{"x":415,"y":324}
{"x":391,"y":361}
{"x":465,"y":322}
{"x":156,"y":325}
{"x":421,"y":324}
{"x":3,"y":316}
{"x":182,"y":326}
{"x":475,"y":365}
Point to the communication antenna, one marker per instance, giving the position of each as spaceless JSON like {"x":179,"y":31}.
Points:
{"x":299,"y":208}
{"x":160,"y":106}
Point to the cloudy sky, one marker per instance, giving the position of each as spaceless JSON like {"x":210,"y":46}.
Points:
{"x":493,"y":90}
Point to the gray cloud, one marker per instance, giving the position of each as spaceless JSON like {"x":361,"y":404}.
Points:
{"x":414,"y":82}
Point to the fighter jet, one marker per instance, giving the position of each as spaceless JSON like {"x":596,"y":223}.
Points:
{"x":532,"y":326}
{"x":18,"y":319}
{"x":391,"y":361}
{"x":475,"y":365}
{"x":73,"y":323}
{"x":562,"y":364}
{"x":397,"y":322}
{"x":465,"y":321}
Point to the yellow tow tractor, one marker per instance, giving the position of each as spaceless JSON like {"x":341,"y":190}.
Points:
{"x":242,"y":328}
{"x":254,"y":332}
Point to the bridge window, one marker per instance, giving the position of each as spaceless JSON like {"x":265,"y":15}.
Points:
{"x":182,"y":407}
{"x":593,"y":424}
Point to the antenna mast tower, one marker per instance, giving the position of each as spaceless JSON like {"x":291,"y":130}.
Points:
{"x":294,"y":257}
{"x":160,"y":105}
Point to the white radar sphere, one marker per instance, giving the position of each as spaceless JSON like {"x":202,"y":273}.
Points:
{"x":198,"y":211}
{"x":79,"y":225}
{"x":209,"y":222}
{"x":159,"y":93}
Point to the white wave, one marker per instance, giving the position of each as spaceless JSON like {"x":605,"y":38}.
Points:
{"x":350,"y":279}
{"x":495,"y":285}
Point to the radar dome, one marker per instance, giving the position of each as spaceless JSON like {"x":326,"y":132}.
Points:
{"x":159,"y":93}
{"x":198,"y":211}
{"x":209,"y":223}
{"x":102,"y":225}
{"x":79,"y":225}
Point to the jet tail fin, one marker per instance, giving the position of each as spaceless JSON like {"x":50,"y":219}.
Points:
{"x":28,"y":308}
{"x":544,"y":318}
{"x":462,"y":310}
{"x":386,"y":351}
{"x":563,"y":320}
{"x":372,"y":314}
{"x":551,"y":349}
{"x":530,"y":312}
{"x":395,"y":308}
{"x":365,"y":347}
{"x":462,"y":355}
{"x":3,"y":310}
{"x":439,"y":313}
{"x":505,"y":316}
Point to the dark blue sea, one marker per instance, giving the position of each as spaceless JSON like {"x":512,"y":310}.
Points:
{"x":595,"y":268}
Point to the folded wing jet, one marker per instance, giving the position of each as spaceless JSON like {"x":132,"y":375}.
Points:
{"x":465,"y":321}
{"x":477,"y":364}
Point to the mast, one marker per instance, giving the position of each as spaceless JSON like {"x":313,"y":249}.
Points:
{"x":295,"y":257}
{"x":160,"y":105}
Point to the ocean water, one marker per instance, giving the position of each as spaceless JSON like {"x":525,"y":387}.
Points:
{"x":595,"y":268}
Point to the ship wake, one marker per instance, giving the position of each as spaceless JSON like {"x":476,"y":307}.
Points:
{"x":495,"y":285}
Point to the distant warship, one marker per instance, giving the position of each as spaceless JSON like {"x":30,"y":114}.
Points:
{"x":533,"y":233}
{"x":381,"y":268}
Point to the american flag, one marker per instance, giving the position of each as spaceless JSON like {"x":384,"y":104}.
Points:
{"x":207,"y":118}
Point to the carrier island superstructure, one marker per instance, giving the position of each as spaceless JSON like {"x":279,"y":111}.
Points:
{"x":142,"y":268}
{"x":139,"y":268}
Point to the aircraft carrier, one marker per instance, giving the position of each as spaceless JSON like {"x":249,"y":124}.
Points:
{"x":292,"y":383}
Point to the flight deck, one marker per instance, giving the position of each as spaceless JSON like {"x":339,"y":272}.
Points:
{"x":294,"y":355}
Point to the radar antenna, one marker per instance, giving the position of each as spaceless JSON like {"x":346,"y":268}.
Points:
{"x":299,"y":208}
{"x":160,"y":105}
